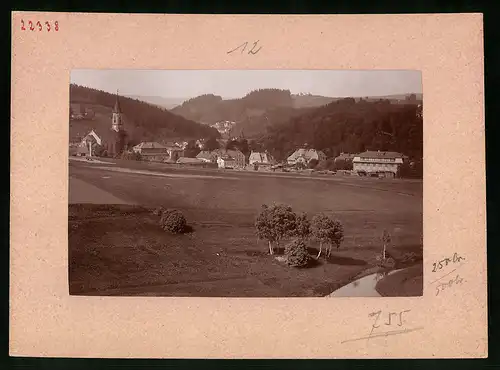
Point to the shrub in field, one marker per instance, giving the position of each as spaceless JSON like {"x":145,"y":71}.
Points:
{"x":173,"y":221}
{"x":296,"y":254}
{"x":327,"y":231}
{"x":275,"y":223}
{"x":410,"y":258}
{"x":389,"y":263}
{"x":386,"y":263}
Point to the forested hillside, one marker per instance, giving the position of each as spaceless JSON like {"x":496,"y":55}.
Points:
{"x":252,"y":127}
{"x":148,"y":122}
{"x":351,"y":126}
{"x":209,"y":109}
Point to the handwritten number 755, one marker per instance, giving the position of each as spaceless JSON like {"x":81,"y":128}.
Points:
{"x":243,"y":47}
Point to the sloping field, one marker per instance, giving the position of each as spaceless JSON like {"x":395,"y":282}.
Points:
{"x":117,"y":252}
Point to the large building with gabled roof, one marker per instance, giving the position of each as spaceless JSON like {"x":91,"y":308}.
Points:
{"x":378,"y":161}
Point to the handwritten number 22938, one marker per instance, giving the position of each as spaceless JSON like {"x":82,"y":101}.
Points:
{"x":39,"y":26}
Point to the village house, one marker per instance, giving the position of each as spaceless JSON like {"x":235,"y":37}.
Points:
{"x":151,"y":151}
{"x":174,"y":153}
{"x":263,"y":158}
{"x":304,"y":156}
{"x":207,"y":156}
{"x":226,"y":161}
{"x":213,"y":157}
{"x":238,"y":156}
{"x":154,"y":151}
{"x":378,"y":162}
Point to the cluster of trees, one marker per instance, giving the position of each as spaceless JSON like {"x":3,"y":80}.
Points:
{"x":192,"y":149}
{"x":268,"y":98}
{"x":255,"y":126}
{"x":202,"y":101}
{"x":239,"y":144}
{"x":279,"y":222}
{"x":351,"y":126}
{"x":332,"y":165}
{"x":152,"y":122}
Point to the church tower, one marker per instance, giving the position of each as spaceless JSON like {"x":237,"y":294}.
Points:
{"x":117,"y":123}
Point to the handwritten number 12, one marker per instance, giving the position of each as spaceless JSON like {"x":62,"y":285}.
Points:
{"x":244,"y":46}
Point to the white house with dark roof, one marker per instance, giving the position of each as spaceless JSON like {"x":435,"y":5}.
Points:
{"x":262,"y":158}
{"x":226,"y":161}
{"x":378,"y":161}
{"x":230,"y":158}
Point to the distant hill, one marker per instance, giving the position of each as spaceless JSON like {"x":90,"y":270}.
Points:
{"x":209,"y":108}
{"x":260,"y":109}
{"x":142,"y":121}
{"x":167,"y":103}
{"x":250,"y":114}
{"x":404,"y":97}
{"x":310,"y":101}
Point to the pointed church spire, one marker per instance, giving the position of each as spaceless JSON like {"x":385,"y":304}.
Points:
{"x":117,"y":108}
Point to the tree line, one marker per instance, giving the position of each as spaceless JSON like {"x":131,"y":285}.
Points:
{"x":350,"y":126}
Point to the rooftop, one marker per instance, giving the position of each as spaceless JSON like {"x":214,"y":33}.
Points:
{"x":380,"y":154}
{"x":150,"y":145}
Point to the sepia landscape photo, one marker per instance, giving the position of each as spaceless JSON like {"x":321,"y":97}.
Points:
{"x":245,"y":183}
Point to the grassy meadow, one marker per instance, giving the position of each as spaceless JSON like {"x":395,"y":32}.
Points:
{"x":121,"y":250}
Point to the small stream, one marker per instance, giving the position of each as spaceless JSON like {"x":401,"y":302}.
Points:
{"x":363,"y":287}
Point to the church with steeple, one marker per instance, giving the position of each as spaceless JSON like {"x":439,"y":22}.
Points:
{"x":111,"y":141}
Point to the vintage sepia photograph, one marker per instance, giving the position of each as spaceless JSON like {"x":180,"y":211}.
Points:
{"x":245,"y":183}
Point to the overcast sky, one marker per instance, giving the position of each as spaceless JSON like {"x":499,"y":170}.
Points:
{"x":237,"y":83}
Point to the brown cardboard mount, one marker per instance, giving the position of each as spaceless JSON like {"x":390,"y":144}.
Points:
{"x":46,"y":322}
